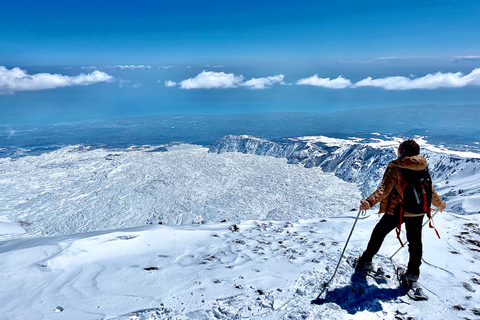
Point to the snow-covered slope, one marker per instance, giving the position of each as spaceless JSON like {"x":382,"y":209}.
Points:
{"x":285,"y":227}
{"x":250,"y":270}
{"x":456,"y":175}
{"x":77,"y":189}
{"x":10,"y":228}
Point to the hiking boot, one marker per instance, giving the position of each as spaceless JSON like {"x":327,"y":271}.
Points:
{"x":409,"y":279}
{"x":361,"y":265}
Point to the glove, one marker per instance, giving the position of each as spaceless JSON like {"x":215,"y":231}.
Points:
{"x":442,"y":207}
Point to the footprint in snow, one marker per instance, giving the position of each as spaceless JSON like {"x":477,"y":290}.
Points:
{"x":125,"y":237}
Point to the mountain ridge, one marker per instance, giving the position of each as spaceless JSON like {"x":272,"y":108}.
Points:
{"x":363,"y":163}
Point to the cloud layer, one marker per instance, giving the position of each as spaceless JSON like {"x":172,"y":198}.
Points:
{"x":467,"y":58}
{"x":132,"y":67}
{"x":263,"y":83}
{"x":222,"y":80}
{"x":430,"y":81}
{"x":169,"y":83}
{"x":212,"y":80}
{"x":338,"y":83}
{"x":216,"y":80}
{"x":17,"y":79}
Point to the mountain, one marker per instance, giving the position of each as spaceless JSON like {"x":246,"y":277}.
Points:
{"x":177,"y":232}
{"x":362,"y":161}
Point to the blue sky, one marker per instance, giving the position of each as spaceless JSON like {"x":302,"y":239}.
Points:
{"x":83,"y":60}
{"x":120,"y":32}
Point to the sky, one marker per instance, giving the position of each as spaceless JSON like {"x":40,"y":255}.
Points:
{"x":81,"y":61}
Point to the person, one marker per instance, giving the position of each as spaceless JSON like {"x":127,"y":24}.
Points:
{"x":388,"y":195}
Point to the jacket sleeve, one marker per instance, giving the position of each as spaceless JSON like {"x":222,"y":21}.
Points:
{"x":436,"y":201}
{"x":388,"y":182}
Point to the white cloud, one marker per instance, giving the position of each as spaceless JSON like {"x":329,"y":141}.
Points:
{"x":216,"y":80}
{"x":430,"y":81}
{"x":263,"y":83}
{"x":129,"y":84}
{"x":132,"y":67}
{"x":166,"y":67}
{"x":389,"y":58}
{"x":338,"y":83}
{"x":212,"y":80}
{"x":89,"y":68}
{"x":169,"y":83}
{"x":467,"y":58}
{"x":17,"y":79}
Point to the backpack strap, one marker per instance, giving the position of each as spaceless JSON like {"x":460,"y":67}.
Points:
{"x":398,"y":229}
{"x":431,"y":224}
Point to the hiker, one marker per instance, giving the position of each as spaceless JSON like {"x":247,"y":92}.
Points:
{"x":390,"y":196}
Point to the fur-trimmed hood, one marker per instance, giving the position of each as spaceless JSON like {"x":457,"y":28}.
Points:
{"x":413,"y":163}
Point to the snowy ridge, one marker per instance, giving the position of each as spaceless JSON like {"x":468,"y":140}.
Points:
{"x":456,"y":174}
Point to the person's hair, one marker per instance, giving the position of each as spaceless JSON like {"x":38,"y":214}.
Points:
{"x":409,"y":148}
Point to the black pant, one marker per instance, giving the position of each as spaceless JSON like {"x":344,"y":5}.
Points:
{"x":413,"y":226}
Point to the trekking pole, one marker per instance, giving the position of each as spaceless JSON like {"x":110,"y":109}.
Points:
{"x":433,"y":215}
{"x":326,"y":284}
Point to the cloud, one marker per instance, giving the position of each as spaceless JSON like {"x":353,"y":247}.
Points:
{"x":17,"y":79}
{"x":430,"y":81}
{"x":212,"y":80}
{"x":166,"y":67}
{"x":169,"y":83}
{"x":222,"y":80}
{"x":89,"y":68}
{"x":467,"y":58}
{"x":338,"y":83}
{"x":215,"y":80}
{"x":129,"y":84}
{"x":388,"y":58}
{"x":131,"y":67}
{"x":263,"y":83}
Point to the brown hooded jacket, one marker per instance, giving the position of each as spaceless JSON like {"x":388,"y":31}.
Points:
{"x":392,"y":178}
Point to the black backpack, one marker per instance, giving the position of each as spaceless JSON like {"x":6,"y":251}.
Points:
{"x":417,"y":193}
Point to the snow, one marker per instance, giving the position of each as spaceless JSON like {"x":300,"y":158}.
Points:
{"x":75,"y":189}
{"x":10,"y":228}
{"x":106,"y":256}
{"x":455,"y":174}
{"x":265,"y":269}
{"x":329,"y":141}
{"x":382,"y":142}
{"x":440,"y":149}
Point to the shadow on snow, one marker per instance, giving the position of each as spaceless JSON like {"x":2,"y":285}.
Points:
{"x":359,"y":296}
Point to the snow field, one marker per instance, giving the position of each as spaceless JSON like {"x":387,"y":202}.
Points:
{"x":285,"y":229}
{"x":250,"y":270}
{"x":10,"y":228}
{"x":77,"y":189}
